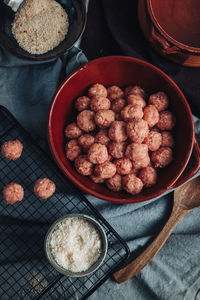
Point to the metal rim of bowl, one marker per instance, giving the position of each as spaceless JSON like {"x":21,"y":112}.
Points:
{"x":95,"y":265}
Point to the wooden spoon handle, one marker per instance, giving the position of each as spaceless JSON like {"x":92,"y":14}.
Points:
{"x":147,"y":255}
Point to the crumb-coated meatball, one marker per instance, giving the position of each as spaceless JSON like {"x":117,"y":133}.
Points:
{"x":135,"y":90}
{"x":114,"y":183}
{"x":130,"y":112}
{"x":142,"y":163}
{"x":123,"y":165}
{"x":160,"y":100}
{"x":118,"y":104}
{"x":104,"y":118}
{"x":99,"y":102}
{"x":153,"y":140}
{"x":82,"y":103}
{"x":132,"y":184}
{"x":136,"y":151}
{"x":151,"y":115}
{"x":166,"y":121}
{"x":162,"y":157}
{"x":96,"y":179}
{"x":83,"y":165}
{"x":12,"y":149}
{"x":97,"y":154}
{"x":72,"y":150}
{"x":137,"y":130}
{"x":117,"y":131}
{"x":148,"y":176}
{"x":117,"y":149}
{"x":85,"y":120}
{"x":13,"y":192}
{"x":102,"y":137}
{"x":72,"y":131}
{"x":85,"y":141}
{"x":44,"y":188}
{"x":167,"y":139}
{"x":97,"y":90}
{"x":105,"y":170}
{"x":114,"y":92}
{"x":136,"y":99}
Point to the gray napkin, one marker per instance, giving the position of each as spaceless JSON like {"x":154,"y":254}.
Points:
{"x":26,"y":89}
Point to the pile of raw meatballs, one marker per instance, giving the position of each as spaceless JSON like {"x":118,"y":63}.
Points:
{"x":14,"y":192}
{"x":121,"y":137}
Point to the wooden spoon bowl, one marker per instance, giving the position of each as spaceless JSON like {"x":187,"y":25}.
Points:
{"x":186,"y":198}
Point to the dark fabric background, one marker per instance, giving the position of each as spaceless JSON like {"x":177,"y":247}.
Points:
{"x":113,"y":29}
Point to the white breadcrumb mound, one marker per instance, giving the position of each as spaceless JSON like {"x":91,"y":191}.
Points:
{"x":40,"y":25}
{"x":75,"y":244}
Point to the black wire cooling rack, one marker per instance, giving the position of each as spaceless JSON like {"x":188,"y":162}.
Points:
{"x":25,"y":272}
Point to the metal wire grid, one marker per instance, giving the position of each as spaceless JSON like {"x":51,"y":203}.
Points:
{"x":24,"y":270}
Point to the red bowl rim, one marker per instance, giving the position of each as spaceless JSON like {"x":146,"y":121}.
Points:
{"x":67,"y":172}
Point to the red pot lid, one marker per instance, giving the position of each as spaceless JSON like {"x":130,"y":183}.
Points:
{"x":178,"y":21}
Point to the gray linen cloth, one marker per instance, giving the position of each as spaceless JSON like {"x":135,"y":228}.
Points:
{"x":26,"y":89}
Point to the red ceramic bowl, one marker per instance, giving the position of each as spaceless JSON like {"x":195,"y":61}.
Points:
{"x":123,"y":71}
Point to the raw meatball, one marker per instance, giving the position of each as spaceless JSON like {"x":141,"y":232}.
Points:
{"x":135,"y":90}
{"x":131,"y":112}
{"x":153,"y":140}
{"x":118,"y":117}
{"x":151,"y":115}
{"x":167,"y":139}
{"x":82,"y":103}
{"x":97,"y":90}
{"x":85,"y":120}
{"x":83,"y":165}
{"x":114,"y":92}
{"x":137,"y":130}
{"x":98,"y":154}
{"x":123,"y":166}
{"x":105,"y":170}
{"x":160,"y":100}
{"x":85,"y":141}
{"x":12,"y":149}
{"x":104,"y":118}
{"x":134,"y":171}
{"x":72,"y":150}
{"x":44,"y":188}
{"x":115,"y":183}
{"x":136,"y":151}
{"x":117,"y":131}
{"x":142,"y":163}
{"x":72,"y":131}
{"x":136,"y":99}
{"x":132,"y":184}
{"x":166,"y":121}
{"x":13,"y":192}
{"x":102,"y":137}
{"x":97,"y":179}
{"x":148,"y":176}
{"x":116,"y":149}
{"x":99,"y":102}
{"x":118,"y":104}
{"x":162,"y":157}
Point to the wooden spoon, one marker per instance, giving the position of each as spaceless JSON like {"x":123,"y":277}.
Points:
{"x":186,"y":198}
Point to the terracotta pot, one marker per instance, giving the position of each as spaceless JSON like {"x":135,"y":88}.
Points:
{"x":124,"y":71}
{"x":173,"y":28}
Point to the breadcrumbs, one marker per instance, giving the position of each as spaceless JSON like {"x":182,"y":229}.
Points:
{"x":40,"y":25}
